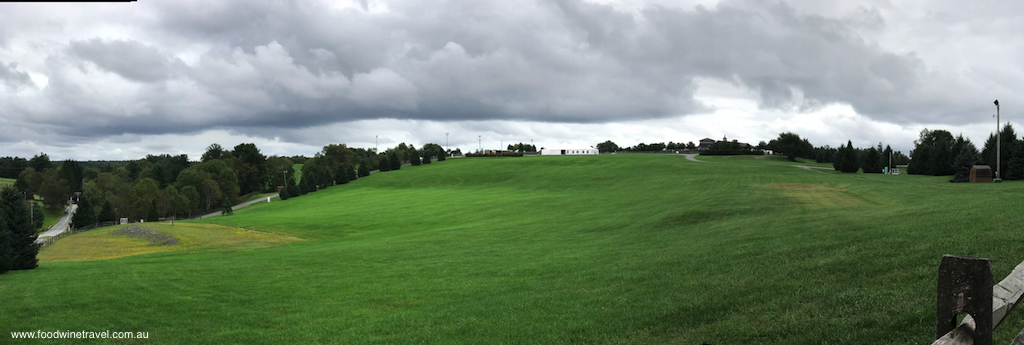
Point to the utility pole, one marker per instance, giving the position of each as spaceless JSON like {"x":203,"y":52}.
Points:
{"x":998,"y":139}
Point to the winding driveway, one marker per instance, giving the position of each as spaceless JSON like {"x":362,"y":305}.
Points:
{"x":693,"y":157}
{"x":60,"y":226}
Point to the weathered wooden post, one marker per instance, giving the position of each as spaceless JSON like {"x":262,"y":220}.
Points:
{"x":965,"y":286}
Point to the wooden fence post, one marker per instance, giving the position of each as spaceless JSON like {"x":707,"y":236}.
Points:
{"x":965,"y":286}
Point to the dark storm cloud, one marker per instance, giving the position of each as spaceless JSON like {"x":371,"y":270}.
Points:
{"x":258,"y":66}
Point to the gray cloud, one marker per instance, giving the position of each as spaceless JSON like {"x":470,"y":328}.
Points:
{"x":12,"y":78}
{"x":264,"y":67}
{"x":129,"y":59}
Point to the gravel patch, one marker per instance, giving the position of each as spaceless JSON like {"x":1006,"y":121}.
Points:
{"x":135,"y":231}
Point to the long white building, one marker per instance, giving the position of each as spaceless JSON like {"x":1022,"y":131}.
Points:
{"x":564,"y":151}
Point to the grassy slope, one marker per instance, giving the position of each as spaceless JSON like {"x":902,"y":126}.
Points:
{"x":106,"y":243}
{"x":588,"y":249}
{"x":6,"y":181}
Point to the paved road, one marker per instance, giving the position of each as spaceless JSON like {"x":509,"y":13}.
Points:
{"x":810,"y":167}
{"x":693,"y":157}
{"x":244,"y":204}
{"x":61,"y":225}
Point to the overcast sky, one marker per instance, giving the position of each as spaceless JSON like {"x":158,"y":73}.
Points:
{"x":119,"y":81}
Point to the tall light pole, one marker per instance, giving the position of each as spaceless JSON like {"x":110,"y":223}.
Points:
{"x":284,"y":176}
{"x":998,"y":139}
{"x":479,"y":143}
{"x":375,"y":148}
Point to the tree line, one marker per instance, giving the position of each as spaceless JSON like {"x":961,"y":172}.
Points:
{"x":938,"y":152}
{"x":609,"y":146}
{"x":163,"y":186}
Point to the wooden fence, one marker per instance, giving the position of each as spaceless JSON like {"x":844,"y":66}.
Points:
{"x":965,"y":286}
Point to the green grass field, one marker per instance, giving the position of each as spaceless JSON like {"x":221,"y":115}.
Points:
{"x":6,"y":181}
{"x":611,"y":249}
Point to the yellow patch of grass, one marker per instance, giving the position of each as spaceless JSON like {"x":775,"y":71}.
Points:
{"x":813,"y":195}
{"x":101,"y":244}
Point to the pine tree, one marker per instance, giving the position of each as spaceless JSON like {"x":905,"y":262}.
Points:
{"x":23,"y":235}
{"x":84,"y":215}
{"x":152,"y":215}
{"x":364,"y":168}
{"x":283,"y":194}
{"x":6,"y":250}
{"x":846,"y":159}
{"x":341,"y":176}
{"x":426,"y":159}
{"x":414,"y":157}
{"x":441,"y":155}
{"x":396,"y":162}
{"x":967,"y":158}
{"x":107,"y":213}
{"x":385,"y":164}
{"x":1015,"y":166}
{"x":872,"y":163}
{"x":351,"y":171}
{"x":225,"y":207}
{"x":293,"y":190}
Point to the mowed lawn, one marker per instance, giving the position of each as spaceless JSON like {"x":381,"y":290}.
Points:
{"x":611,"y":249}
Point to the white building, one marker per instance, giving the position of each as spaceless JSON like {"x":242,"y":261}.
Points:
{"x":564,"y":151}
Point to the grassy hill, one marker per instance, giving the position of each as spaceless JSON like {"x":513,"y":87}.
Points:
{"x":6,"y":182}
{"x":591,"y":249}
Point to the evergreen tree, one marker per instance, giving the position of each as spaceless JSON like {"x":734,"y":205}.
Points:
{"x":152,"y":215}
{"x":6,"y":250}
{"x":364,"y":168}
{"x":1015,"y":166}
{"x":426,"y":159}
{"x":351,"y":171}
{"x":107,"y":213}
{"x":283,"y":194}
{"x":306,"y":185}
{"x":967,"y":158}
{"x":872,"y":162}
{"x":341,"y":176}
{"x":414,"y":157}
{"x":385,"y":163}
{"x":293,"y":189}
{"x":441,"y":155}
{"x":226,"y":207}
{"x":19,"y":224}
{"x":396,"y":162}
{"x":84,"y":215}
{"x":846,"y":159}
